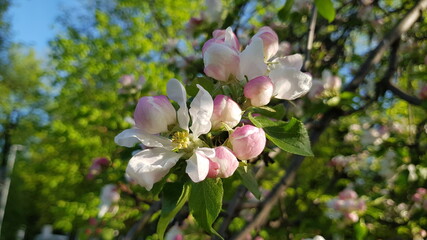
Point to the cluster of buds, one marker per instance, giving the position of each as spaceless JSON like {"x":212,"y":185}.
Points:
{"x":217,"y":138}
{"x":347,"y":205}
{"x":98,"y":164}
{"x":340,"y":162}
{"x":420,"y":198}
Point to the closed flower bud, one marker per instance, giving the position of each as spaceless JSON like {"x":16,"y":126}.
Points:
{"x":224,"y":164}
{"x":259,"y":90}
{"x":221,"y":62}
{"x":248,"y":142}
{"x":270,"y":41}
{"x":154,"y":114}
{"x":226,"y":111}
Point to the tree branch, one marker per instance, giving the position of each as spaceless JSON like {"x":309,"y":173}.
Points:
{"x":375,"y":55}
{"x":310,"y":39}
{"x":410,"y":99}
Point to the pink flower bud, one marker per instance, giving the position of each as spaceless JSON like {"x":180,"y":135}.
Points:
{"x":154,"y":114}
{"x":224,"y":164}
{"x":248,"y":142}
{"x":270,"y":41}
{"x":226,"y":111}
{"x":259,"y":90}
{"x":347,"y":194}
{"x":220,"y":61}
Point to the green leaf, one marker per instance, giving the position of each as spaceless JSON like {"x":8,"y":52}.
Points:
{"x":289,"y":136}
{"x":205,"y":82}
{"x":326,"y":9}
{"x":277,"y":112}
{"x":361,"y":230}
{"x":175,"y":195}
{"x":205,"y":202}
{"x":249,"y":181}
{"x":285,"y":11}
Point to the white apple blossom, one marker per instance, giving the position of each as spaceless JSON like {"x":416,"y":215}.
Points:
{"x":151,"y":165}
{"x":288,"y":80}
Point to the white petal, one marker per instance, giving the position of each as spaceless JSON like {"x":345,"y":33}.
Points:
{"x":129,"y":137}
{"x":198,"y":164}
{"x":201,"y":109}
{"x":151,"y":165}
{"x":292,"y":61}
{"x":289,"y":83}
{"x":176,"y":92}
{"x":252,"y":60}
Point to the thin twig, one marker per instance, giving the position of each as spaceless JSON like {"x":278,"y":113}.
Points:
{"x":410,"y":99}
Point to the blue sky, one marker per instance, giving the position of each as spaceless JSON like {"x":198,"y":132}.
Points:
{"x":33,"y":21}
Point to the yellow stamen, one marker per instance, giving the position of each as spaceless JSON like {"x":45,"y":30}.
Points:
{"x":181,"y":140}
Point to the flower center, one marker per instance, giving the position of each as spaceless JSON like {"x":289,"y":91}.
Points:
{"x":181,"y":140}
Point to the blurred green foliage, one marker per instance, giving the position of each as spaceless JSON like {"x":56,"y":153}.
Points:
{"x":70,"y":112}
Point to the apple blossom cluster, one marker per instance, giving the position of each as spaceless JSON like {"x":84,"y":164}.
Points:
{"x":209,"y":137}
{"x":347,"y":205}
{"x":327,"y":88}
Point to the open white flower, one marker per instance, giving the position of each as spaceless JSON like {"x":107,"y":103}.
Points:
{"x":288,"y":80}
{"x":151,"y":165}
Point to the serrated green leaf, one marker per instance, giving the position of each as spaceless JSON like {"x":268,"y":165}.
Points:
{"x":285,"y":11}
{"x":326,"y":9}
{"x":175,"y":195}
{"x":289,"y":136}
{"x":205,"y":202}
{"x":249,"y":181}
